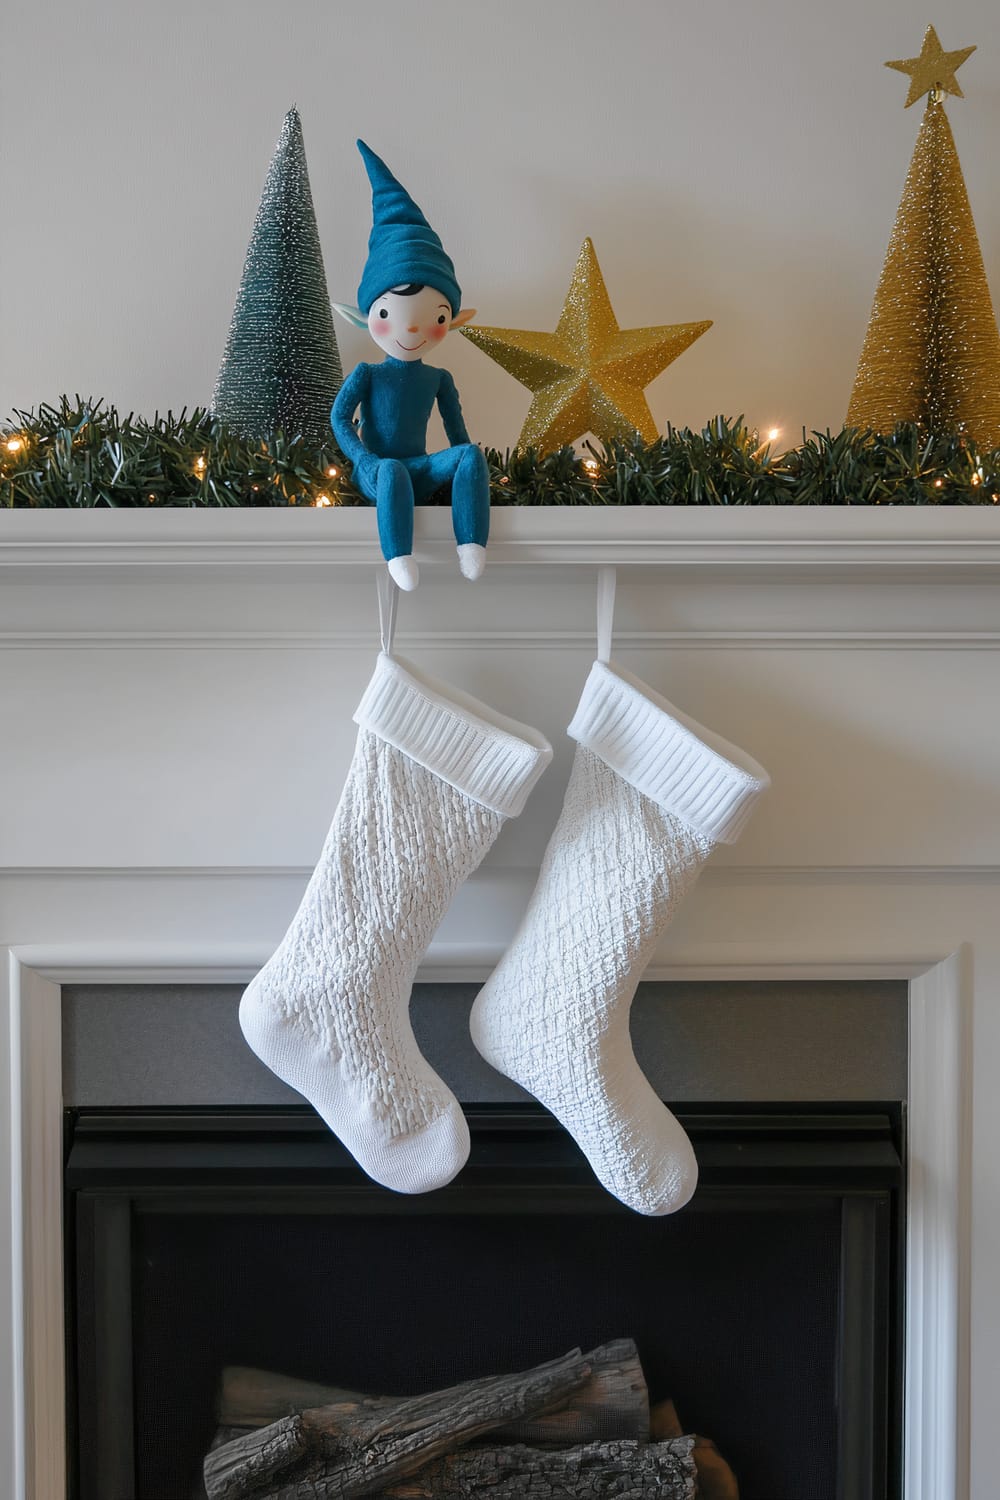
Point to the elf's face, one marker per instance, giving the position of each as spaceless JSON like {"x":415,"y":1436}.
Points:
{"x":408,"y":324}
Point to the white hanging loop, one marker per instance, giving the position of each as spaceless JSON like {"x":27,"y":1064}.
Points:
{"x":388,"y":599}
{"x":606,"y":581}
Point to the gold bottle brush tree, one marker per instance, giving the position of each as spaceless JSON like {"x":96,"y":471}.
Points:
{"x":932,"y":350}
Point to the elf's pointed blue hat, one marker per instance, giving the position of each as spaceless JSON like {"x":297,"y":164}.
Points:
{"x":402,"y":246}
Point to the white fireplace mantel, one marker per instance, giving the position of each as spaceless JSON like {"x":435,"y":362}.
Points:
{"x":927,"y":541}
{"x":176,"y":691}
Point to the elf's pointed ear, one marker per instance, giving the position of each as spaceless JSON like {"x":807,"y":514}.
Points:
{"x":460,"y":319}
{"x":351,"y":314}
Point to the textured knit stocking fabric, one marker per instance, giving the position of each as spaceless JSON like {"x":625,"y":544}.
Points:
{"x":433,"y":777}
{"x":649,"y":794}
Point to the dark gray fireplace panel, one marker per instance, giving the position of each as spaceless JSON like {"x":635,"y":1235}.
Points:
{"x":155,"y":1045}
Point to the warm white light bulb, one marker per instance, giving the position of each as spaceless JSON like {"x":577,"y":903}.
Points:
{"x":332,"y":472}
{"x":322,"y":500}
{"x":591,"y":465}
{"x":763,"y":440}
{"x":199,"y":464}
{"x":15,"y":444}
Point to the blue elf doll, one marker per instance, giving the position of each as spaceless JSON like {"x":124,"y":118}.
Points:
{"x":408,"y":300}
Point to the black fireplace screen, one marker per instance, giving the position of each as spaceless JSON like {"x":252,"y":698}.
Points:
{"x":768,"y":1309}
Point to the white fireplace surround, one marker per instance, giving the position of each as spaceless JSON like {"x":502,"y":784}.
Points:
{"x":177,"y":690}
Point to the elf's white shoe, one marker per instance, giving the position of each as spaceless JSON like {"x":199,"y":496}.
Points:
{"x":404,"y":572}
{"x":471,"y":560}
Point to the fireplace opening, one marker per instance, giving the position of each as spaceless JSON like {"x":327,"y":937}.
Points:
{"x":769,"y":1309}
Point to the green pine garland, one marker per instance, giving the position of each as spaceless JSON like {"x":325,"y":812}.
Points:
{"x":82,"y":453}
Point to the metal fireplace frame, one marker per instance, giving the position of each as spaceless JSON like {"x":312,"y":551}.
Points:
{"x":126,"y":1162}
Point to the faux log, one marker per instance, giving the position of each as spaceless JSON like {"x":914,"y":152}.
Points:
{"x":256,"y":1398}
{"x":613,"y":1403}
{"x":664,"y":1421}
{"x":716,"y":1480}
{"x":592,"y":1471}
{"x":325,"y":1451}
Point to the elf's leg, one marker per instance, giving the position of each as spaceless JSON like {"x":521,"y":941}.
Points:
{"x":394,"y":506}
{"x":434,"y":775}
{"x":466,"y":467}
{"x":649,"y":795}
{"x":470,"y":510}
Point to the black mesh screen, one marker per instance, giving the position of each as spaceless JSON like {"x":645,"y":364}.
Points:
{"x":735,"y":1310}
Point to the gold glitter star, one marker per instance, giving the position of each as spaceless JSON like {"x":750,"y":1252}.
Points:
{"x":589,"y":375}
{"x":933,"y":69}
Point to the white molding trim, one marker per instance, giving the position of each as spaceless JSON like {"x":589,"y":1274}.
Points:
{"x":127,"y":639}
{"x":11,"y":1403}
{"x":936,"y":1454}
{"x":862,"y":541}
{"x":37,"y":1445}
{"x":938,"y":1311}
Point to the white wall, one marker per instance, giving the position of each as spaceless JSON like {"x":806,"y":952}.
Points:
{"x":733,"y":161}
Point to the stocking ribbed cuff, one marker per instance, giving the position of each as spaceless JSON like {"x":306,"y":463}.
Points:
{"x":492,"y":759}
{"x":690,"y":772}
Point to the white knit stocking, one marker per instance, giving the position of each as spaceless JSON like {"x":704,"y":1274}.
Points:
{"x":434,"y":775}
{"x":649,"y":794}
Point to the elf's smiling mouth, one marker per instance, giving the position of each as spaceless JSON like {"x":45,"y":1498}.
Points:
{"x":410,"y":347}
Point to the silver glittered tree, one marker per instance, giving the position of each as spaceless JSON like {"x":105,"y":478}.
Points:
{"x":281,"y":368}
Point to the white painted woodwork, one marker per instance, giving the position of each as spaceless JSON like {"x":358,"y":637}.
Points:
{"x":177,"y":690}
{"x":32,"y":1386}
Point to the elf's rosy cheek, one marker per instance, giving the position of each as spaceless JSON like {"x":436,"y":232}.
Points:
{"x":436,"y":332}
{"x":382,"y":328}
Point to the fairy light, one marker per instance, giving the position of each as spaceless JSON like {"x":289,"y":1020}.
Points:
{"x":322,"y":500}
{"x":332,"y":472}
{"x":939,"y":484}
{"x":592,"y":467}
{"x":773,"y":434}
{"x":977,"y":477}
{"x":15,"y":444}
{"x":199,"y":464}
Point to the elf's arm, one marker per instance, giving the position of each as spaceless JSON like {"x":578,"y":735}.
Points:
{"x":451,"y":411}
{"x":349,"y":398}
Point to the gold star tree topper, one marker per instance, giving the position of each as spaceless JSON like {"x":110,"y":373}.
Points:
{"x":933,"y":69}
{"x":589,"y":375}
